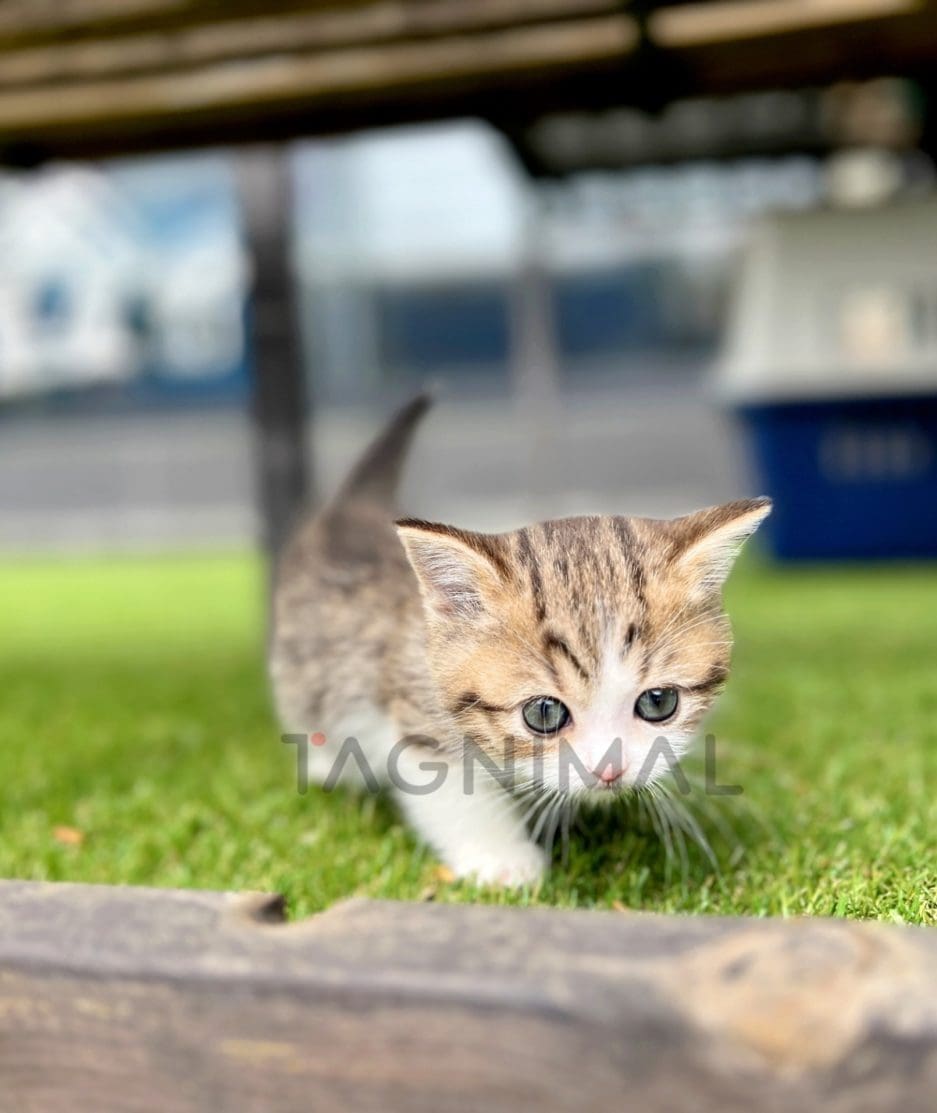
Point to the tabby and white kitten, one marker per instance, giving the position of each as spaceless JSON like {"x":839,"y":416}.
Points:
{"x":576,"y":656}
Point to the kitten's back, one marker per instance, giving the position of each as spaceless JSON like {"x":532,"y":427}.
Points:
{"x":344,"y":592}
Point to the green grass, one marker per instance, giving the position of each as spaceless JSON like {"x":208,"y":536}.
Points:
{"x":133,"y":708}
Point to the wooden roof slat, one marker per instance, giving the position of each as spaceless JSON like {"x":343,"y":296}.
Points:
{"x":306,"y":77}
{"x":288,"y":33}
{"x":38,"y":20}
{"x":28,"y":23}
{"x":733,"y":20}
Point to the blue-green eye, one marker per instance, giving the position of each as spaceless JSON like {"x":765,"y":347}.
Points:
{"x":545,"y":715}
{"x":657,"y":704}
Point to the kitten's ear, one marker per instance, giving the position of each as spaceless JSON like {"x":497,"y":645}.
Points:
{"x":458,"y":571}
{"x":710,"y":540}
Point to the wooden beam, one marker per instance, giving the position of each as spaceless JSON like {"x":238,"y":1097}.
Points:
{"x":199,"y":72}
{"x":123,"y":999}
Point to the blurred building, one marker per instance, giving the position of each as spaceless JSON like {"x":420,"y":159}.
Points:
{"x":124,"y":299}
{"x":406,"y":246}
{"x":122,"y":287}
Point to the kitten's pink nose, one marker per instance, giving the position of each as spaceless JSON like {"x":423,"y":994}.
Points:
{"x":610,"y":774}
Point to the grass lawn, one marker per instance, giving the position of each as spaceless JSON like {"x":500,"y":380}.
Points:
{"x":137,"y":746}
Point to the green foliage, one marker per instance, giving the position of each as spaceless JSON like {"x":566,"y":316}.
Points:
{"x":134,"y":714}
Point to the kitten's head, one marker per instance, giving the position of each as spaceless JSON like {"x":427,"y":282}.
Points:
{"x":580,"y":654}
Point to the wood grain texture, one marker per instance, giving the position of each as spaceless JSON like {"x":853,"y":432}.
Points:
{"x":129,"y":999}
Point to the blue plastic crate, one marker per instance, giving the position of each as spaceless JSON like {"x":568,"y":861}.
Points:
{"x":851,"y":478}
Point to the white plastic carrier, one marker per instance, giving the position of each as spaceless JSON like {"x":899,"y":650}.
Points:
{"x":833,"y":304}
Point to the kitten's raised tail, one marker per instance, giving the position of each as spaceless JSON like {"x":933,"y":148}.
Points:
{"x":377,"y":474}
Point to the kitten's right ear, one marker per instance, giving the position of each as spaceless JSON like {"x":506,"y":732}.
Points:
{"x":457,"y":571}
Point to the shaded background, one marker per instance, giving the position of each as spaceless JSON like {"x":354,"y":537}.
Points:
{"x":127,"y":369}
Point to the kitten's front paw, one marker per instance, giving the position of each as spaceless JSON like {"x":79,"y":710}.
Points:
{"x":508,"y":867}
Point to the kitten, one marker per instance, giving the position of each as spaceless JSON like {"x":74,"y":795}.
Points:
{"x":576,"y":656}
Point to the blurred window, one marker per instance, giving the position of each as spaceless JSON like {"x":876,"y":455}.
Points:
{"x":436,"y":330}
{"x":52,"y":303}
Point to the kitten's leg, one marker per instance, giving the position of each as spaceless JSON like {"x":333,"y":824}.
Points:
{"x":475,"y":828}
{"x":349,"y":750}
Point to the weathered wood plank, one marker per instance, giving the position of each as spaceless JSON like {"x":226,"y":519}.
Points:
{"x":127,"y":999}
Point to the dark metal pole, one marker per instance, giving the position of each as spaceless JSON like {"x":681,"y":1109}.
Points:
{"x":279,"y":399}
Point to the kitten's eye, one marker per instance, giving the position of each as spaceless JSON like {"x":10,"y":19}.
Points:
{"x":656,"y":704}
{"x":545,"y":715}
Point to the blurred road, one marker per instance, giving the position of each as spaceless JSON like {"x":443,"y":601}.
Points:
{"x":179,"y":480}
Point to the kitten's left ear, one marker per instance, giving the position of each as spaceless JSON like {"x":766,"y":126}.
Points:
{"x":710,"y":540}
